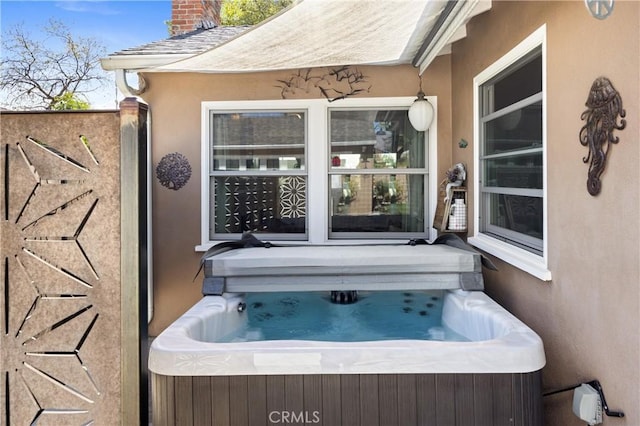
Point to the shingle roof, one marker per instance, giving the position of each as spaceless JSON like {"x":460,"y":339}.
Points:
{"x":190,"y":43}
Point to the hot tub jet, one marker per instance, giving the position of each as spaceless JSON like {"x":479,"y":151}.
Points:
{"x":344,"y":297}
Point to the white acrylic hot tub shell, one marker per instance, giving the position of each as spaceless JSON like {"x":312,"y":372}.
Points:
{"x":500,"y":343}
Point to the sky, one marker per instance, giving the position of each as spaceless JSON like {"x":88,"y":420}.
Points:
{"x":118,"y":25}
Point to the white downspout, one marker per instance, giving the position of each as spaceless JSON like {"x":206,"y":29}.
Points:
{"x":149,"y":223}
{"x":123,"y":85}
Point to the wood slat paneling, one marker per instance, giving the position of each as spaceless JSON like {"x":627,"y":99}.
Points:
{"x":369,"y":400}
{"x":276,"y":398}
{"x":331,"y":400}
{"x":238,"y":401}
{"x":407,"y":403}
{"x":350,"y":391}
{"x":445,"y":399}
{"x":502,"y":409}
{"x":257,"y":400}
{"x":220,"y":400}
{"x":183,"y":388}
{"x":294,"y":393}
{"x":388,"y":399}
{"x":202,"y":400}
{"x":170,"y":412}
{"x":464,"y":408}
{"x":350,"y":400}
{"x":313,"y":395}
{"x":483,"y":399}
{"x":426,"y":397}
{"x":159,"y":401}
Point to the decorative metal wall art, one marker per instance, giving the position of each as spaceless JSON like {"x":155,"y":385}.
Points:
{"x":599,"y":9}
{"x":604,"y":107}
{"x":334,"y":84}
{"x":173,"y":171}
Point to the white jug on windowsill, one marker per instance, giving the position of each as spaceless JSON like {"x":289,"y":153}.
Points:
{"x":458,"y":216}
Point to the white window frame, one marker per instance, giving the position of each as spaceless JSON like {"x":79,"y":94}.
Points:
{"x":317,"y":171}
{"x":536,"y":265}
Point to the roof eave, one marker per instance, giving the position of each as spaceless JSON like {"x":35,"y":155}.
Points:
{"x":449,"y":30}
{"x":139,"y":62}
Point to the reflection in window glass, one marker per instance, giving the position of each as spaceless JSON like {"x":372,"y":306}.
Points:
{"x":522,"y":171}
{"x":375,"y":139}
{"x":377,"y":203}
{"x":258,"y":140}
{"x":377,"y":174}
{"x":516,"y":213}
{"x":269,"y":204}
{"x":517,"y":130}
{"x":258,"y":179}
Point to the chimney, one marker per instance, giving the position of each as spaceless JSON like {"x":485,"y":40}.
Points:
{"x":191,"y":15}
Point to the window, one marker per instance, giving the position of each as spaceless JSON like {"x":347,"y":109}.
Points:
{"x":258,"y":172}
{"x":510,"y":157}
{"x":307,"y":170}
{"x":378,"y":174}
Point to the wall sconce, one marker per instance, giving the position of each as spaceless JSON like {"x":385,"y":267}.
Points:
{"x":421,"y":112}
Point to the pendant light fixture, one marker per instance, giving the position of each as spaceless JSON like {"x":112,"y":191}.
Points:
{"x":421,"y":112}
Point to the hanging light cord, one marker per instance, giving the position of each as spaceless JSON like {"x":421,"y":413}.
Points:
{"x":420,"y":93}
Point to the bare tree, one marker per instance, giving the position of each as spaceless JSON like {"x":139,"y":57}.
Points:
{"x":35,"y":74}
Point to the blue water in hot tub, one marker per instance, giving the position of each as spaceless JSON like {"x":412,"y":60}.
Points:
{"x":383,"y":315}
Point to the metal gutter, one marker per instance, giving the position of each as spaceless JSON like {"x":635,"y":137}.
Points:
{"x":454,"y":16}
{"x":451,"y":4}
{"x":138,"y":62}
{"x":125,"y":88}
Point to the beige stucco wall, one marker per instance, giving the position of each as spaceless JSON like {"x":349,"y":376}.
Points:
{"x":175,"y":105}
{"x":588,"y":315}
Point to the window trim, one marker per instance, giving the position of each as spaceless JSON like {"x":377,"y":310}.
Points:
{"x":317,"y":172}
{"x":531,"y":263}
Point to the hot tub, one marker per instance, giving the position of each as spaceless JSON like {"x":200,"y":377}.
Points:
{"x":493,"y":378}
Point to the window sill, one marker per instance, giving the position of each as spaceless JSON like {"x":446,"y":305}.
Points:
{"x":521,"y":259}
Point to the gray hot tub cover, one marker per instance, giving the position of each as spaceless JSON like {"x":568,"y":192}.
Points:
{"x":447,"y":263}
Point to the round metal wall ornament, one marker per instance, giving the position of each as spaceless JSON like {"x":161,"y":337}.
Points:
{"x":173,"y":171}
{"x":599,"y":9}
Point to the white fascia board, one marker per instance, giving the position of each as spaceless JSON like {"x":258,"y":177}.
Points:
{"x":138,"y":62}
{"x":450,"y":30}
{"x":459,"y":34}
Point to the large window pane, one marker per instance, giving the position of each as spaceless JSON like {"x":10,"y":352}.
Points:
{"x":517,"y":130}
{"x":258,"y":141}
{"x":258,"y":204}
{"x":522,"y":171}
{"x":375,"y":139}
{"x":517,"y":213}
{"x":377,"y":203}
{"x":519,"y":82}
